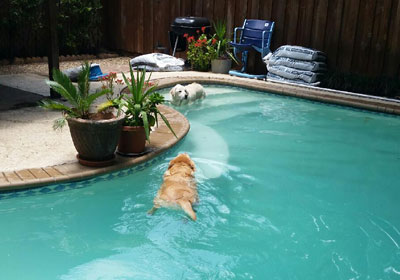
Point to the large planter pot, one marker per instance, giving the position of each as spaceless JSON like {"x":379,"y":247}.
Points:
{"x":95,"y":140}
{"x":221,"y":65}
{"x":132,"y":141}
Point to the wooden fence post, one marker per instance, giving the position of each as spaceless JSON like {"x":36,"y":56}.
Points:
{"x":52,"y":51}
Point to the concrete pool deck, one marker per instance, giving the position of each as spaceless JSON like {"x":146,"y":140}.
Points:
{"x":34,"y":155}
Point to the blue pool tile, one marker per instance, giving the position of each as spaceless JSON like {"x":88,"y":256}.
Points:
{"x":60,"y":187}
{"x":45,"y":190}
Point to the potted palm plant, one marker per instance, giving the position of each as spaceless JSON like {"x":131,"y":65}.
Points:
{"x":221,"y":55}
{"x":95,"y":135}
{"x":141,"y":112}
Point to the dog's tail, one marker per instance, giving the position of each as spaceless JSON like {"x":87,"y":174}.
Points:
{"x":187,"y":207}
{"x":152,"y":210}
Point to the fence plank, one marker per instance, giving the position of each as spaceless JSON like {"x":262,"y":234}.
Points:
{"x":278,"y":15}
{"x":186,"y":8}
{"x":304,"y":24}
{"x":125,"y":26}
{"x":348,"y":32}
{"x":160,"y":20}
{"x":240,"y":12}
{"x":379,"y":36}
{"x":220,"y":10}
{"x":319,"y":24}
{"x":197,"y":8}
{"x":266,"y":9}
{"x":392,"y":54}
{"x":291,"y":19}
{"x":139,"y":42}
{"x":362,"y":42}
{"x":254,"y":8}
{"x":230,"y":17}
{"x":333,"y":25}
{"x":208,"y":9}
{"x":148,"y":14}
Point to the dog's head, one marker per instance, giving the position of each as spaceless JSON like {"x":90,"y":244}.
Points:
{"x":184,"y":159}
{"x":179,"y":95}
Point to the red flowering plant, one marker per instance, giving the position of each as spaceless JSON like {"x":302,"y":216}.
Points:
{"x":199,"y":50}
{"x":109,"y":81}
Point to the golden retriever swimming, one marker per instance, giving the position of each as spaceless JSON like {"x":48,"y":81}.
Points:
{"x":179,"y":186}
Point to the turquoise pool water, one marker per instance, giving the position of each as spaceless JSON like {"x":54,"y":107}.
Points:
{"x":289,"y":189}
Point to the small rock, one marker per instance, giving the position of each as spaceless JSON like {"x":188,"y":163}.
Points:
{"x":102,"y":55}
{"x":36,"y":59}
{"x":112,"y":55}
{"x":4,"y":62}
{"x":18,"y":60}
{"x":28,"y":59}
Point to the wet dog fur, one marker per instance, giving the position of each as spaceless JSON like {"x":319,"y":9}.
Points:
{"x":179,"y":186}
{"x":182,"y":95}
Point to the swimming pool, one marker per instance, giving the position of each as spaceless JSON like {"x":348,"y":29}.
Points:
{"x":289,"y":189}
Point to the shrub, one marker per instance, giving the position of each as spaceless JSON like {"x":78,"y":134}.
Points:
{"x":23,"y":27}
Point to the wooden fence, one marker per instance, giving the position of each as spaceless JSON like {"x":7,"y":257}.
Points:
{"x":361,"y":36}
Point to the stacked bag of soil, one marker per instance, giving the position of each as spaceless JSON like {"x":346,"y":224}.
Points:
{"x":294,"y":64}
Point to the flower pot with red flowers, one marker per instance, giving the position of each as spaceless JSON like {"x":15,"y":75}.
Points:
{"x":199,"y":50}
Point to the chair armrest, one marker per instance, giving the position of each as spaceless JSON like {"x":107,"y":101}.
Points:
{"x":235,"y":33}
{"x":263,"y":38}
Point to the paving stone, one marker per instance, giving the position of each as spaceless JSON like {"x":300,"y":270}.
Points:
{"x":39,"y":173}
{"x":25,"y":174}
{"x":12,"y":177}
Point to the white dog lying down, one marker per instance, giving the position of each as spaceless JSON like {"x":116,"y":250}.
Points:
{"x":182,"y":95}
{"x":179,"y":186}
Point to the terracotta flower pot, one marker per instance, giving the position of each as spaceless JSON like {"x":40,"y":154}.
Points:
{"x":95,"y":140}
{"x":132,"y":140}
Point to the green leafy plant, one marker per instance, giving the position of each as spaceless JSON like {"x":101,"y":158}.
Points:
{"x":23,"y":24}
{"x":79,"y":99}
{"x":220,"y":42}
{"x":140,"y":105}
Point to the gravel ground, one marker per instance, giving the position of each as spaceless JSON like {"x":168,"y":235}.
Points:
{"x":27,"y":139}
{"x":117,"y":64}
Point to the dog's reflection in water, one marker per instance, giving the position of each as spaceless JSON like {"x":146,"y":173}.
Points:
{"x":179,"y":186}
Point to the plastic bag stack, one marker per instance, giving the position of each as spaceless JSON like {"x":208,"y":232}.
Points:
{"x":294,"y":64}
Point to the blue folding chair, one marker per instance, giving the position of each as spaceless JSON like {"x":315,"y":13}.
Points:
{"x":255,"y":34}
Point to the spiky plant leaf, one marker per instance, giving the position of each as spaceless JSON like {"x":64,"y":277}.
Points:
{"x":105,"y":105}
{"x":63,"y":92}
{"x":167,"y":123}
{"x":128,"y":84}
{"x":54,"y":105}
{"x":58,"y":124}
{"x":146,"y":125}
{"x":92,"y":97}
{"x":83,"y":80}
{"x":64,"y":87}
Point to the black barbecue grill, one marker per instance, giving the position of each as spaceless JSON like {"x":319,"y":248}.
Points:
{"x":186,"y":25}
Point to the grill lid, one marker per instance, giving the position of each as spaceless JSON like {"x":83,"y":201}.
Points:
{"x":191,"y":22}
{"x":189,"y":25}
